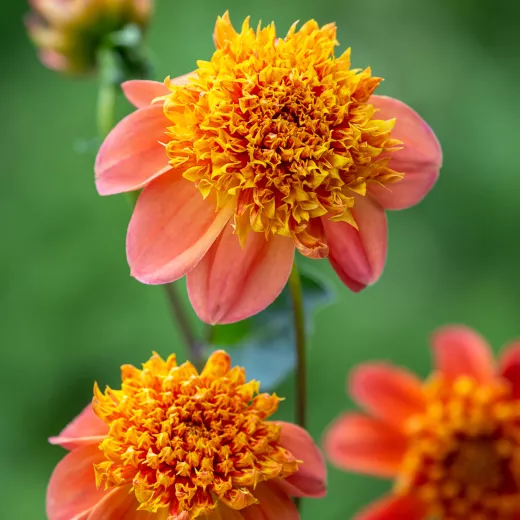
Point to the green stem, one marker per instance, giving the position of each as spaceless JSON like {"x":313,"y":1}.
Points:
{"x":295,"y":288}
{"x":181,"y":319}
{"x":107,"y":63}
{"x":108,"y":89}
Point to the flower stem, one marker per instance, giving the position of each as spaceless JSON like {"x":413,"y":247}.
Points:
{"x":181,"y":320}
{"x":295,"y":288}
{"x":108,"y":88}
{"x":107,"y":63}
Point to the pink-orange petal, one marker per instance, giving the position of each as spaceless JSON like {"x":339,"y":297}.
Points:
{"x":120,"y":503}
{"x":362,"y":444}
{"x":232,"y":283}
{"x":171,"y":229}
{"x":358,"y":256}
{"x":273,"y":504}
{"x":394,"y":508}
{"x":311,"y":478}
{"x":132,"y":154}
{"x":420,"y":158}
{"x":72,"y":488}
{"x":460,"y":351}
{"x":389,"y":393}
{"x":221,"y":512}
{"x":509,"y":366}
{"x":85,"y":428}
{"x":141,"y":92}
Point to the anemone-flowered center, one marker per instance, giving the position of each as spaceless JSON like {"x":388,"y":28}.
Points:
{"x":464,"y":454}
{"x":185,"y":441}
{"x":281,"y":129}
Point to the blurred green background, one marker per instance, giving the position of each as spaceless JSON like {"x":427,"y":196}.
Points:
{"x":71,"y":314}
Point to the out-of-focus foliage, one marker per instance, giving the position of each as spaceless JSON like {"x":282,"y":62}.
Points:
{"x":264,"y":343}
{"x":71,"y":314}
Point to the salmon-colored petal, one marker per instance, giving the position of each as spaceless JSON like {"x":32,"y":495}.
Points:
{"x":311,"y":478}
{"x":390,"y":393}
{"x":72,"y":488}
{"x":358,"y":443}
{"x":171,"y":229}
{"x":394,"y":508}
{"x":459,"y":351}
{"x":132,"y":154}
{"x":222,"y":512}
{"x":231,"y":284}
{"x":509,"y":366}
{"x":273,"y":504}
{"x":358,"y":257}
{"x":120,"y":504}
{"x":420,"y":159}
{"x":86,"y":428}
{"x":141,"y":92}
{"x":224,"y":31}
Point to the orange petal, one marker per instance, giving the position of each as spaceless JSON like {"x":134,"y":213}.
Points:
{"x":358,"y":257}
{"x":141,"y":92}
{"x":171,"y":229}
{"x":121,"y":503}
{"x":86,"y":428}
{"x":390,"y":393}
{"x":131,"y":155}
{"x":273,"y":504}
{"x":509,"y":366}
{"x":224,"y":31}
{"x":358,"y":443}
{"x":311,"y":478}
{"x":312,"y":242}
{"x":394,"y":508}
{"x":72,"y":488}
{"x":420,"y":159}
{"x":231,"y":283}
{"x":459,"y":351}
{"x":223,"y":512}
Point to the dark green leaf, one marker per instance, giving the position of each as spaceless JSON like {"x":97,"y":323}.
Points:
{"x":264,"y":343}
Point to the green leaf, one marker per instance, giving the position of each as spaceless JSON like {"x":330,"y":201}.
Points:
{"x":264,"y":343}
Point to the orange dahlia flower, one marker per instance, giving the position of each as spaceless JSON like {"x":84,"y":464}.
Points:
{"x":452,"y":443}
{"x":173,"y":444}
{"x":70,"y":32}
{"x":273,"y":144}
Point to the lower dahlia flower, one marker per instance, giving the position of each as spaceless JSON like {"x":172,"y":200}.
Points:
{"x":451,"y":444}
{"x":273,"y":145}
{"x":173,"y":444}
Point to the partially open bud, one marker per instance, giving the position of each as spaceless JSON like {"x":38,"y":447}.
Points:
{"x":69,"y":33}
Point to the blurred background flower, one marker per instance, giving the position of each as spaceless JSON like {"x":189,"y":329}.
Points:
{"x":70,"y":313}
{"x":451,"y":443}
{"x":69,"y":33}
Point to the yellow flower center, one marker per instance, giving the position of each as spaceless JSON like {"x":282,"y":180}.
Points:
{"x":464,"y":454}
{"x":280,"y":128}
{"x":185,"y":440}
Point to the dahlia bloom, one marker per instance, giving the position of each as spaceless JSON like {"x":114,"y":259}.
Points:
{"x":451,"y":443}
{"x":173,"y":444}
{"x":70,"y":32}
{"x":273,"y":144}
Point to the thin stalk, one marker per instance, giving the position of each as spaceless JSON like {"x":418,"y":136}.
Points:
{"x":182,"y":321}
{"x":108,"y":89}
{"x":295,"y":288}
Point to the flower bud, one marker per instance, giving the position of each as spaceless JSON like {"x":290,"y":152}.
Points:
{"x":69,"y":33}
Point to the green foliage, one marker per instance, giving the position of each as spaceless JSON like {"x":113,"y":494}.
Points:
{"x":264,"y":344}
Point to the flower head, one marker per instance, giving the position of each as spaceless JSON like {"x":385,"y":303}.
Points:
{"x":179,"y":445}
{"x":452,"y":444}
{"x":69,"y":33}
{"x":271,"y":145}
